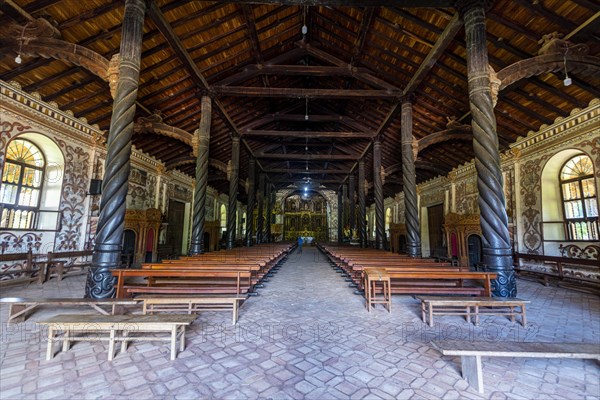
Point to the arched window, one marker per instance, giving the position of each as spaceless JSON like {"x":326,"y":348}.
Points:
{"x":580,"y":203}
{"x":22,"y":178}
{"x":388,"y":220}
{"x":223,"y":218}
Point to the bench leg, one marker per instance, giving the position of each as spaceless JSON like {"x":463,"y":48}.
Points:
{"x":523,"y":318}
{"x":99,"y":309}
{"x":124,"y":342}
{"x":50,"y":341}
{"x":430,"y":314}
{"x":66,"y":340}
{"x":18,"y":312}
{"x":173,"y":342}
{"x":476,"y":315}
{"x":182,"y":338}
{"x":423,"y":312}
{"x":472,"y":371}
{"x":235,"y":311}
{"x":111,"y":345}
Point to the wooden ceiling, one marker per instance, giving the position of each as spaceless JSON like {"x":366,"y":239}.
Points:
{"x":347,"y":73}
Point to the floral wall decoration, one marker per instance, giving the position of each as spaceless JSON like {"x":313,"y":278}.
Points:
{"x":530,"y":190}
{"x":7,"y":129}
{"x":74,"y":195}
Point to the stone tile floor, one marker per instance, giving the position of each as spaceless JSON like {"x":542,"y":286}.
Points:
{"x":307,"y":336}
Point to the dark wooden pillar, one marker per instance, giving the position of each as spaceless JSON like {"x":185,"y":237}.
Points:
{"x":340,"y":215}
{"x":378,"y":187}
{"x":362,"y":205}
{"x":250,"y":206}
{"x":409,"y":182}
{"x":233,"y":192}
{"x":260,"y":226}
{"x":268,"y":218}
{"x":352,"y":207}
{"x":497,"y":249}
{"x":199,"y":210}
{"x":111,"y":223}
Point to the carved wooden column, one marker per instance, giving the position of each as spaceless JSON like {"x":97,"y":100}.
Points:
{"x":233,"y":191}
{"x":197,"y":245}
{"x":340,"y":215}
{"x":111,"y":223}
{"x":260,"y":226}
{"x":250,"y":206}
{"x":271,"y":219}
{"x":362,"y":205}
{"x":269,"y":216}
{"x":378,"y":187}
{"x":497,"y":250}
{"x":352,"y":211}
{"x":409,"y":182}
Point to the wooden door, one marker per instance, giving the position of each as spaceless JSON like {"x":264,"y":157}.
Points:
{"x":435,"y":217}
{"x":175,"y":220}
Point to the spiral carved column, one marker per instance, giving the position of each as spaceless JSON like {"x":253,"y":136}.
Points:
{"x":250,"y":206}
{"x":111,"y":223}
{"x":199,"y":219}
{"x":268,"y":218}
{"x":340,"y":215}
{"x":378,"y":185}
{"x":233,"y":192}
{"x":352,"y":212}
{"x":497,"y":249}
{"x":260,"y":226}
{"x":362,"y":205}
{"x":409,"y":182}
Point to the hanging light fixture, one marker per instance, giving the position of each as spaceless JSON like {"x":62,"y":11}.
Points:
{"x":567,"y":81}
{"x":18,"y":58}
{"x":306,"y":109}
{"x":304,"y":27}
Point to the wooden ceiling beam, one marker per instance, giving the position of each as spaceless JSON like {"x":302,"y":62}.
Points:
{"x":353,"y":3}
{"x":10,"y":8}
{"x":308,"y":134}
{"x":307,"y":157}
{"x":303,"y":93}
{"x":309,"y":172}
{"x":434,"y":54}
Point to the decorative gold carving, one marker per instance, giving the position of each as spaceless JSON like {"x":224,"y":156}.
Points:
{"x":553,"y":43}
{"x":495,"y":83}
{"x":112,"y":74}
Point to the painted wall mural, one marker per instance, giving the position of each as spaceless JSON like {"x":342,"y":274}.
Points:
{"x":74,"y":195}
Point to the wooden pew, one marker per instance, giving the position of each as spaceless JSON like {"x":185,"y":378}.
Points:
{"x":190,"y":304}
{"x":448,"y":283}
{"x":470,"y":353}
{"x":471,"y":306}
{"x":556,"y":266}
{"x":20,"y":307}
{"x":68,"y":262}
{"x":183,"y":281}
{"x":69,"y":324}
{"x":31,"y":268}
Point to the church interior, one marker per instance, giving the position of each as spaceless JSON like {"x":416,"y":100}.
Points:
{"x":328,"y":171}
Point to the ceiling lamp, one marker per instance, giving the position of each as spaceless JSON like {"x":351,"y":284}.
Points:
{"x":306,"y":110}
{"x":18,"y":59}
{"x":567,"y":81}
{"x":304,"y":27}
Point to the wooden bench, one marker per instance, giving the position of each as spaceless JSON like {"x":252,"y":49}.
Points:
{"x":556,"y":266}
{"x":177,"y":281}
{"x":192,"y":304}
{"x":92,"y":325}
{"x":471,"y":306}
{"x":446,"y":283}
{"x":470,"y":353}
{"x":20,"y":308}
{"x":29,"y":268}
{"x":68,"y":262}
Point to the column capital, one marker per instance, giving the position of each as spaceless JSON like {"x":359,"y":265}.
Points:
{"x":462,"y":6}
{"x":409,"y":98}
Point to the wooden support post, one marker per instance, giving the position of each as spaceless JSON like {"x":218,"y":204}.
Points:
{"x":111,"y":223}
{"x":233,"y":191}
{"x":203,"y":137}
{"x":362,"y":208}
{"x":378,"y":187}
{"x":250,"y":205}
{"x":411,"y":210}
